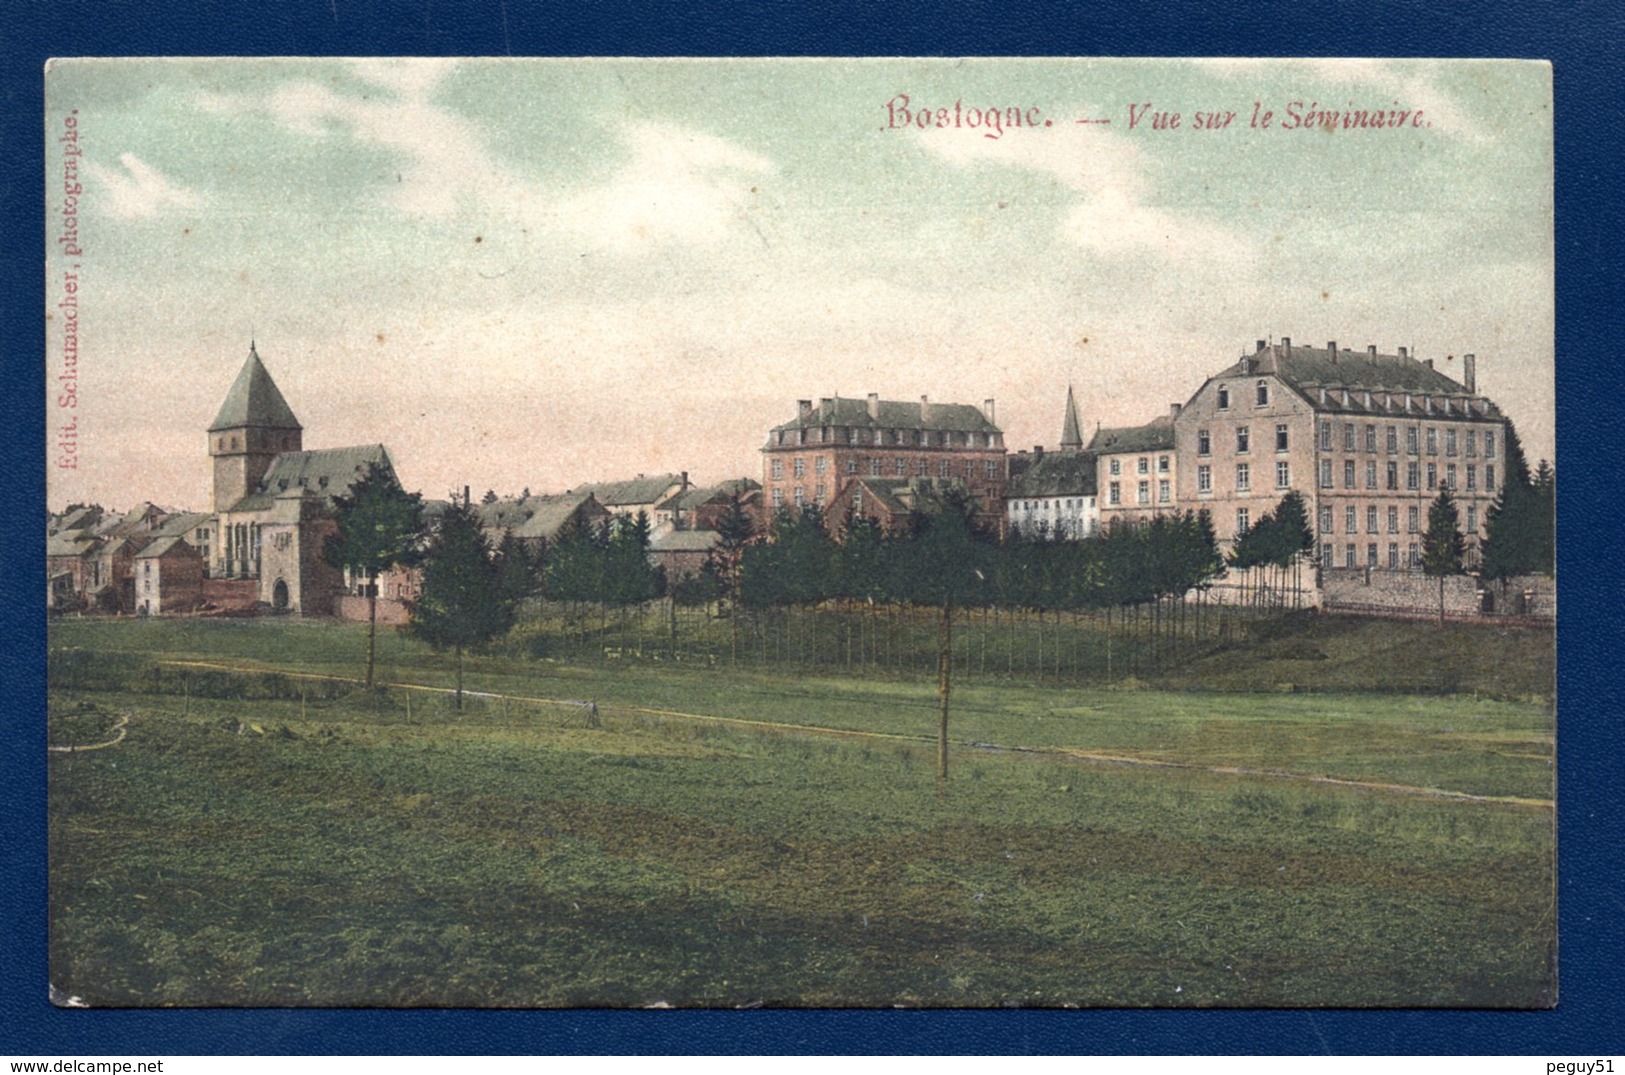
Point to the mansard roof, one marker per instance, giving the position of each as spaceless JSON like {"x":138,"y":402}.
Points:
{"x":1054,"y":474}
{"x":325,"y":472}
{"x":893,"y":414}
{"x":1346,"y":376}
{"x":1155,"y":436}
{"x":254,"y":400}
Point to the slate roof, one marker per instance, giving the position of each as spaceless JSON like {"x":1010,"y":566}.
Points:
{"x":1309,"y":369}
{"x":683,"y":541}
{"x":1155,"y":436}
{"x":163,"y":545}
{"x":533,"y":517}
{"x":893,"y":414}
{"x":70,"y":543}
{"x":254,"y":400}
{"x":1055,"y":474}
{"x":183,"y":523}
{"x":697,"y":495}
{"x":324,"y":472}
{"x":639,"y":490}
{"x":1071,"y":433}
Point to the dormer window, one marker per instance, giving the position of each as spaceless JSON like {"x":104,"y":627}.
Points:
{"x":283,"y":484}
{"x":322,"y":481}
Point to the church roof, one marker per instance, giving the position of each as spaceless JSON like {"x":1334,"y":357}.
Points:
{"x":325,"y":472}
{"x":1071,"y":434}
{"x":254,"y":400}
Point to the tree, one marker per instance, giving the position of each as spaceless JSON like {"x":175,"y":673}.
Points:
{"x":1442,"y":544}
{"x":490,"y":497}
{"x":629,"y":577}
{"x":380,"y":525}
{"x":516,"y":568}
{"x":462,"y":604}
{"x":735,"y":530}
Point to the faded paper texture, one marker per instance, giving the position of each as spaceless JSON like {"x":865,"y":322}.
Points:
{"x":837,"y":533}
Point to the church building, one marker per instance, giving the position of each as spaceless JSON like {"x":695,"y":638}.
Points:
{"x":273,"y":500}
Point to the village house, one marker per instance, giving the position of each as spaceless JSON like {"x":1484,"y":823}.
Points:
{"x":640,"y":494}
{"x":1136,"y":469}
{"x":1054,"y":494}
{"x":168,"y":577}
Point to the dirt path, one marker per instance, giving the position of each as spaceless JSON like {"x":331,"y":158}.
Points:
{"x":1092,"y":757}
{"x":119,"y":731}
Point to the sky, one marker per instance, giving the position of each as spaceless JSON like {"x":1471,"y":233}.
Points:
{"x":534,"y":274}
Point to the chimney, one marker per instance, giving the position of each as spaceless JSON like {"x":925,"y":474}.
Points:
{"x":874,"y":406}
{"x":987,"y":409}
{"x":1038,"y":450}
{"x":1331,"y":345}
{"x":1174,"y":409}
{"x":684,"y":487}
{"x":804,"y":408}
{"x":1371,"y":349}
{"x":1469,"y":372}
{"x":925,"y":410}
{"x":1286,"y":345}
{"x":1428,"y":362}
{"x":466,"y":500}
{"x":1260,"y":346}
{"x":1404,"y":352}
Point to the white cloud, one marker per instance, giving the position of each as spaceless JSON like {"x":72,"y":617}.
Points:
{"x":139,"y":190}
{"x":679,"y":185}
{"x":1114,"y":215}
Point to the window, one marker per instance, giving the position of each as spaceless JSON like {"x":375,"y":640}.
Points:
{"x":1116,"y":467}
{"x":1450,"y":442}
{"x":1204,"y":443}
{"x":1283,"y":475}
{"x":1351,"y":520}
{"x":874,"y":466}
{"x":1204,"y":479}
{"x":821,"y":465}
{"x":1433,"y":476}
{"x":1413,"y":476}
{"x":1241,"y":440}
{"x":945,"y":468}
{"x":1393,"y":440}
{"x":1162,"y":464}
{"x":778,"y":469}
{"x":1114,"y":493}
{"x":1393,"y":520}
{"x":1371,"y":474}
{"x":1280,"y":438}
{"x":1348,"y":436}
{"x":1472,"y":442}
{"x":1348,"y":555}
{"x":1489,"y":443}
{"x":1326,"y":520}
{"x":1325,"y":436}
{"x":1325,"y":473}
{"x":852,"y":465}
{"x":1472,"y":476}
{"x":1371,"y":554}
{"x":1263,"y":396}
{"x":1371,"y":519}
{"x":1243,"y":521}
{"x":1472,"y":518}
{"x":1450,"y":476}
{"x":1392,"y":476}
{"x":799,"y":467}
{"x":1414,"y":555}
{"x":1393,"y":556}
{"x":1489,"y":477}
{"x":1410,"y":440}
{"x":801,"y":496}
{"x":1224,"y":398}
{"x":1243,"y":478}
{"x":992,"y":468}
{"x":1326,"y":554}
{"x":900,"y":466}
{"x":1142,"y":465}
{"x":818,"y":493}
{"x":923,"y":468}
{"x":1143,"y":493}
{"x":1433,"y":441}
{"x":1410,"y":519}
{"x":1348,"y":473}
{"x":1370,"y":438}
{"x":1164,"y":491}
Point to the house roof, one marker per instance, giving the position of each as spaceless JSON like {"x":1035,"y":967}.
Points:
{"x":324,"y":472}
{"x":639,"y":490}
{"x":893,"y":414}
{"x":698,"y":495}
{"x":1055,"y":474}
{"x":1309,"y":369}
{"x":534,"y":516}
{"x":1156,"y":435}
{"x":683,"y":541}
{"x":79,"y":518}
{"x":182,"y":523}
{"x":70,"y":543}
{"x":254,"y":400}
{"x":162,"y":546}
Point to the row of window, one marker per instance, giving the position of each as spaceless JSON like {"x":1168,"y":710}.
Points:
{"x":1244,"y":440}
{"x":1142,"y":493}
{"x":1415,"y":438}
{"x":1374,"y":516}
{"x":1072,"y":504}
{"x":1142,"y":465}
{"x":1244,"y":477}
{"x":877,"y":467}
{"x":1261,"y":395}
{"x":1413,"y":555}
{"x":1417,"y":476}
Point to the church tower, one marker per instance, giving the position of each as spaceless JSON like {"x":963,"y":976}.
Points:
{"x":254,"y":426}
{"x":1071,"y":431}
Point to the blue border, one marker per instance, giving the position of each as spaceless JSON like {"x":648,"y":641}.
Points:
{"x":1580,"y":39}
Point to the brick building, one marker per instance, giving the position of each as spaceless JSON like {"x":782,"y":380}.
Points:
{"x":1367,"y":439}
{"x":811,"y":459}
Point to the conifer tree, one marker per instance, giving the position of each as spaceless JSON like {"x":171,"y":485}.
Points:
{"x":462,"y":604}
{"x":1442,"y":544}
{"x":380,"y":525}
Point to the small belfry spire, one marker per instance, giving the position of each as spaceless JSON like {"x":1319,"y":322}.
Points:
{"x":1071,"y":430}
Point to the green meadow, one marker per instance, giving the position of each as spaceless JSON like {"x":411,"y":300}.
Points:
{"x":742,"y":836}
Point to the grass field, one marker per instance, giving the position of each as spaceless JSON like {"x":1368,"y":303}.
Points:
{"x":274,"y":849}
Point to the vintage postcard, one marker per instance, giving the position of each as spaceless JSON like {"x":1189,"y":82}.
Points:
{"x":817,"y":533}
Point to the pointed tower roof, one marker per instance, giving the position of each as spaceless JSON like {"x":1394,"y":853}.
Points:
{"x":254,"y":400}
{"x":1071,"y":432}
